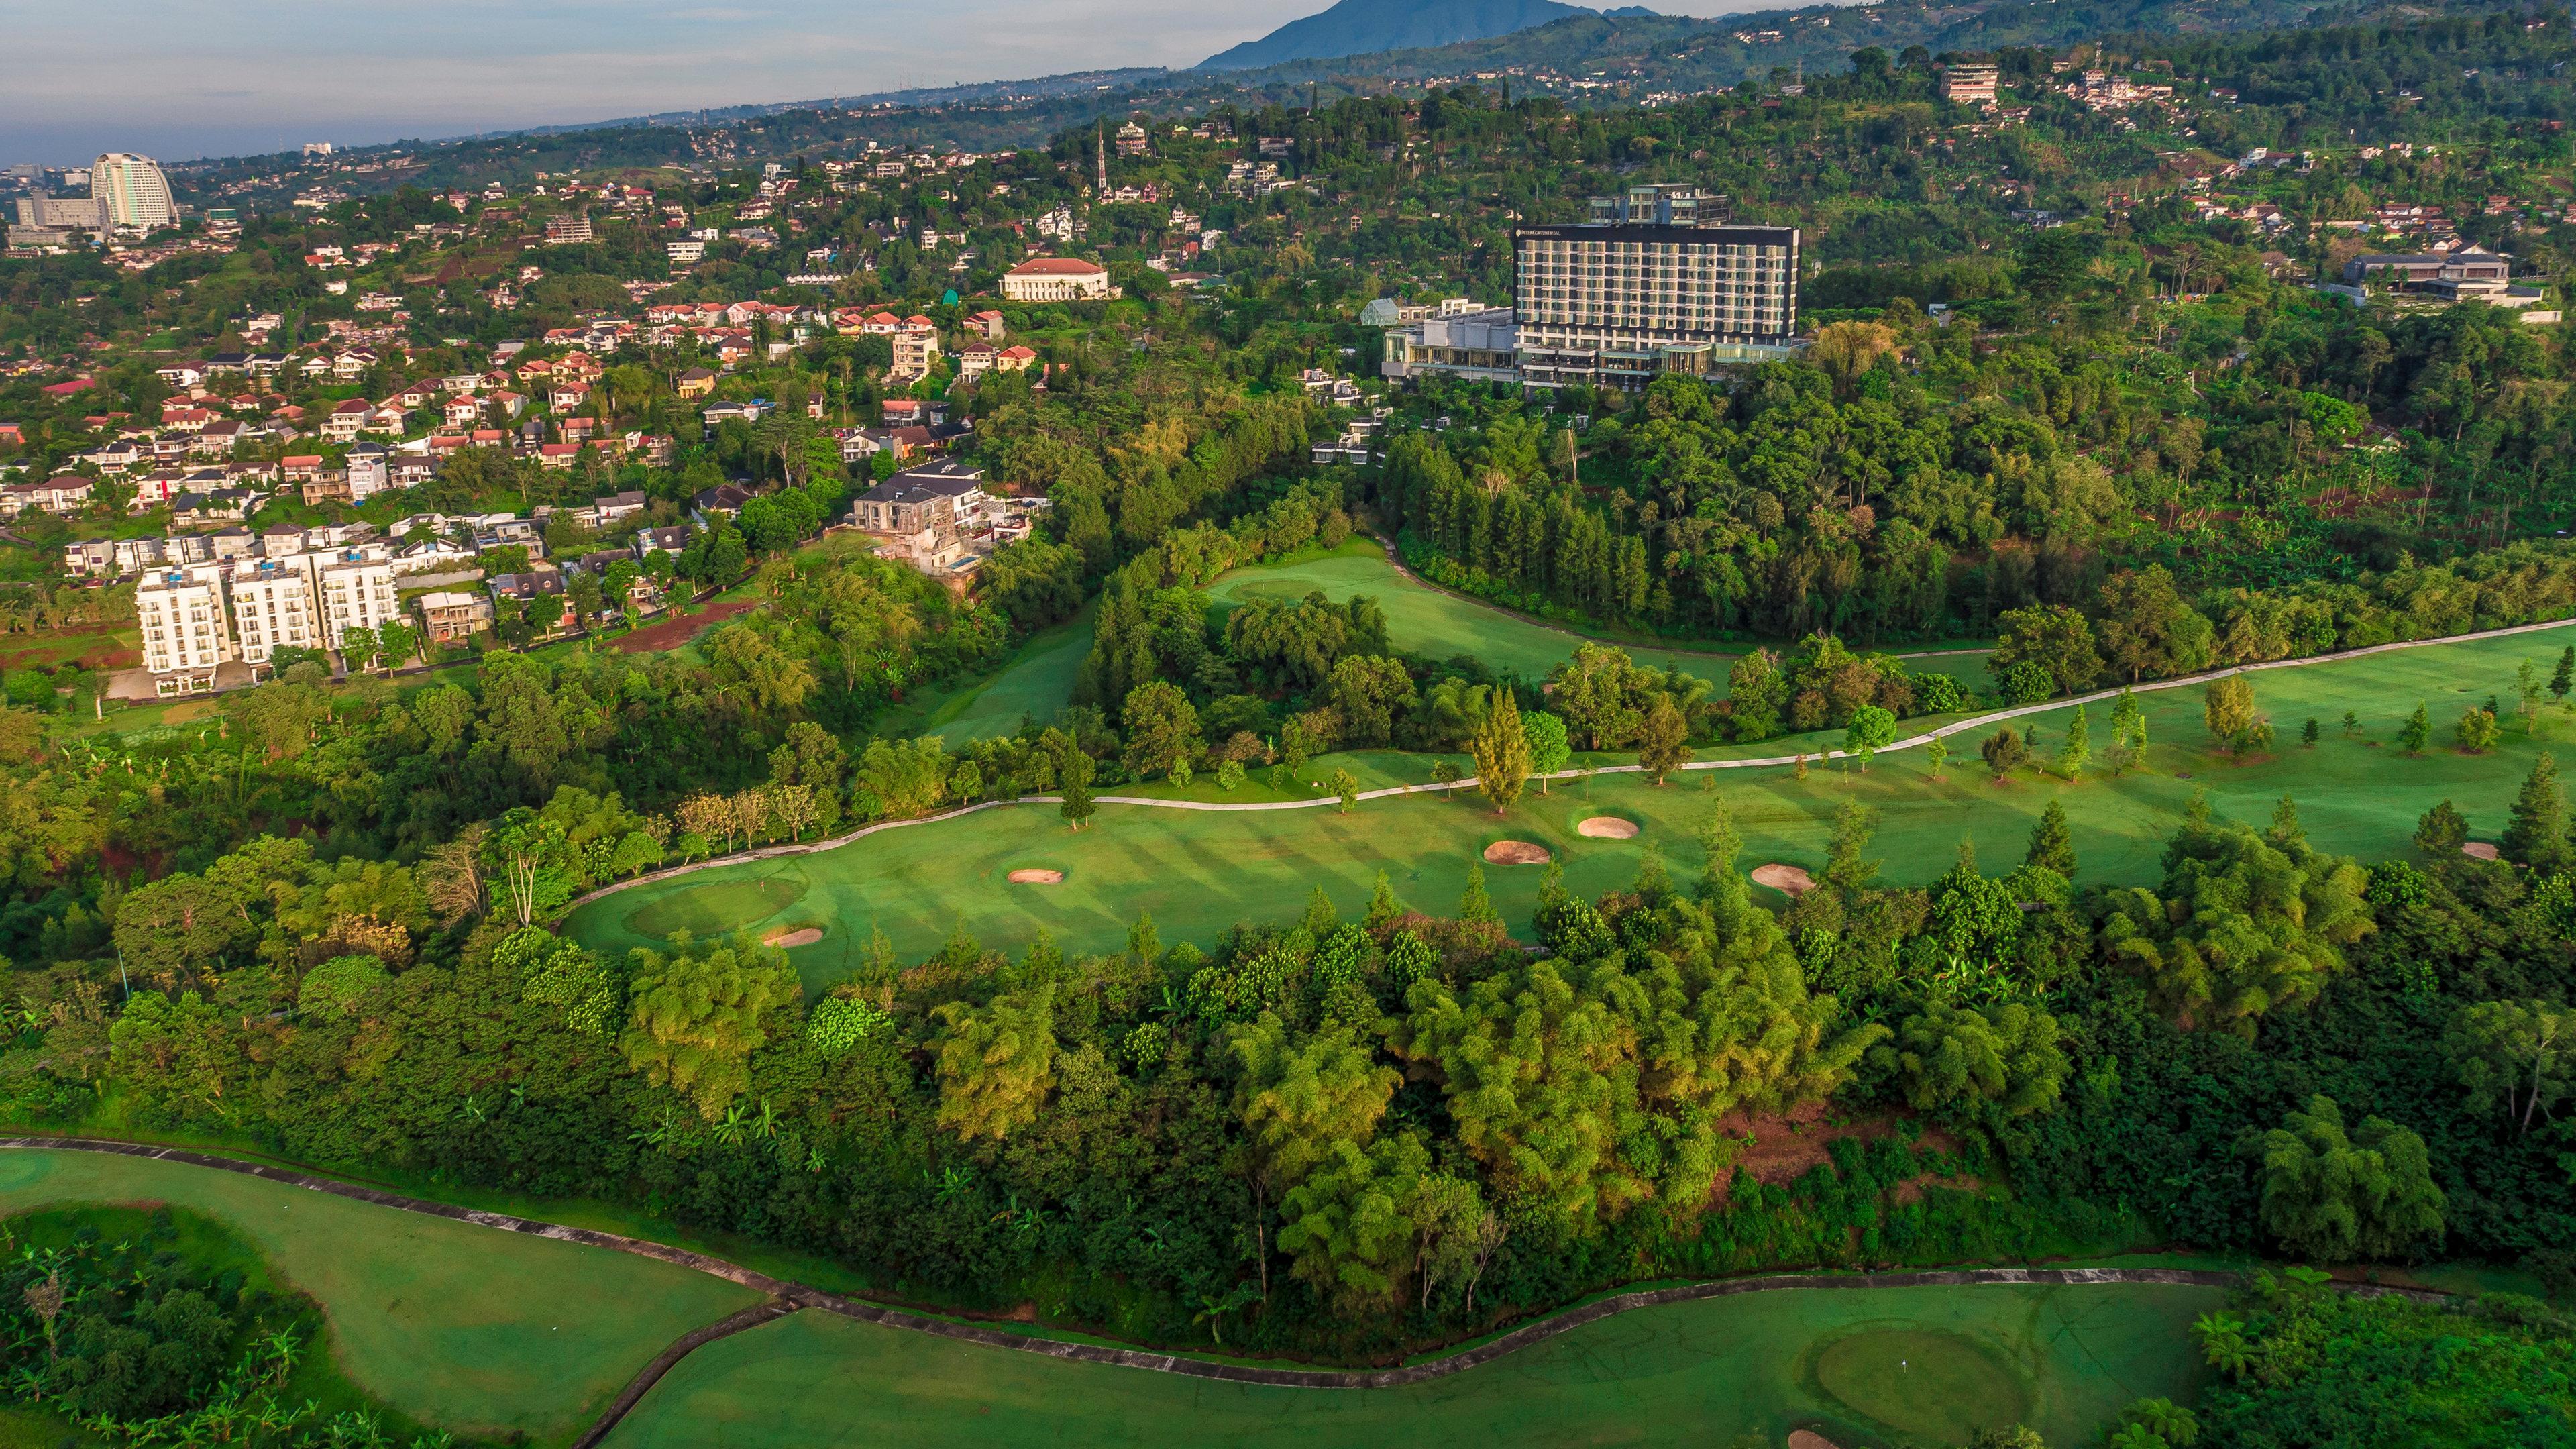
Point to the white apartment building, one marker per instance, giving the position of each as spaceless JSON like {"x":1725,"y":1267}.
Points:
{"x":185,"y":633}
{"x":1649,"y":288}
{"x":132,"y":192}
{"x":357,"y":587}
{"x":273,"y":607}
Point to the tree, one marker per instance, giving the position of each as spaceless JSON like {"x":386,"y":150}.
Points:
{"x":2535,"y":833}
{"x":2477,"y":731}
{"x":1502,"y":752}
{"x":2331,"y":1198}
{"x":2245,"y":923}
{"x":1935,"y":752}
{"x":2052,"y":844}
{"x":2128,"y":733}
{"x":996,"y":1061}
{"x":2077,"y":747}
{"x":2563,"y":678}
{"x":1347,"y":786}
{"x":1073,"y":772}
{"x":2520,"y":1055}
{"x":2310,"y":733}
{"x":1663,"y":738}
{"x":400,"y":641}
{"x":695,"y":1020}
{"x":2227,"y":709}
{"x":1950,"y":1057}
{"x":2441,"y":831}
{"x":1366,"y":693}
{"x":1162,"y":729}
{"x":1548,"y":748}
{"x":2148,"y":630}
{"x":1871,"y":730}
{"x":2417,"y":732}
{"x":2052,"y":637}
{"x":2004,"y":752}
{"x":1297,"y":1100}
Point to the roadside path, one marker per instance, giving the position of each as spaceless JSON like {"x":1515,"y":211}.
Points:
{"x":1974,"y":722}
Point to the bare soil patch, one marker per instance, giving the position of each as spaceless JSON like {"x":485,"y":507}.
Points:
{"x":1037,"y":877}
{"x":1515,"y":852}
{"x":2481,"y":850}
{"x":673,"y":632}
{"x":1809,"y":1439}
{"x":1608,"y":827}
{"x":801,"y":936}
{"x":1787,"y":1145}
{"x":1790,"y":878}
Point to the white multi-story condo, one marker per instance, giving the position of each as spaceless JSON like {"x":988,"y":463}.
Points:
{"x":132,"y":191}
{"x":357,"y":592}
{"x":1653,"y":284}
{"x":273,"y":607}
{"x":185,"y":633}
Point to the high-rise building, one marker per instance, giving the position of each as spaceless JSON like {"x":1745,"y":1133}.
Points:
{"x":132,"y":191}
{"x":1655,"y":283}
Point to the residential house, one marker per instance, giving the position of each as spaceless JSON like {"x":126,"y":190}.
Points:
{"x":62,"y":493}
{"x":650,"y":541}
{"x":918,"y":513}
{"x":696,"y":382}
{"x":1056,"y":279}
{"x":446,"y":617}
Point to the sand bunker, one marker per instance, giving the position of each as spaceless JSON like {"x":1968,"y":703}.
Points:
{"x":801,"y":936}
{"x":2480,"y":850}
{"x":1788,"y":878}
{"x":1515,"y":852}
{"x":1037,"y":877}
{"x":1808,"y":1439}
{"x":1608,"y":827}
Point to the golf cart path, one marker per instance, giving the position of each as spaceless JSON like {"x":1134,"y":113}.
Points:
{"x":1973,"y":722}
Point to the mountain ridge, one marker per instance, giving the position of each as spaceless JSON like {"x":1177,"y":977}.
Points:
{"x":1370,"y":27}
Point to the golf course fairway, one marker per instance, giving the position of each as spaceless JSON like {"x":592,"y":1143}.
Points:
{"x":1875,"y":1366}
{"x":472,"y":1330}
{"x":1199,"y":871}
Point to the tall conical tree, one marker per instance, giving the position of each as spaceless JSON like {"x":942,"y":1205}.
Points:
{"x":2052,"y":844}
{"x":1321,"y":918}
{"x":1719,"y":837}
{"x":1383,"y":909}
{"x":1502,"y":752}
{"x":1475,"y":905}
{"x":2536,"y":835}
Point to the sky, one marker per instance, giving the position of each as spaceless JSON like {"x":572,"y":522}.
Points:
{"x":180,"y":79}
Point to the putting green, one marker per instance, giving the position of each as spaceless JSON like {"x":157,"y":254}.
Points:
{"x":707,"y":905}
{"x":1199,"y":872}
{"x":474,"y":1330}
{"x":2062,"y":1359}
{"x":1923,"y":1383}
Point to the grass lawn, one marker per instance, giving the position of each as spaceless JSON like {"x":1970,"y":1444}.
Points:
{"x":1036,"y":680}
{"x":1861,"y":1366}
{"x":1039,"y":677}
{"x":468,"y":1328}
{"x":1424,"y":620}
{"x":1199,"y":872}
